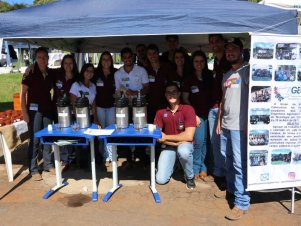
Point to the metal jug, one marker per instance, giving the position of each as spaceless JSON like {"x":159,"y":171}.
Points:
{"x":122,"y":112}
{"x":64,"y":111}
{"x":139,"y":112}
{"x":82,"y":111}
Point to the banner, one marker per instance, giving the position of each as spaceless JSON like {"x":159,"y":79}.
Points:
{"x":274,"y":130}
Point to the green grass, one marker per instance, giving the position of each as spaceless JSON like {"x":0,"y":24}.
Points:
{"x":9,"y":84}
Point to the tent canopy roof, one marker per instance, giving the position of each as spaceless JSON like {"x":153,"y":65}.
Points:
{"x":95,"y":25}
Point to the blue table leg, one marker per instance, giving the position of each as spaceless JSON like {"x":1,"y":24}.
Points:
{"x":58,"y":173}
{"x":110,"y":193}
{"x":54,"y":190}
{"x":93,"y":170}
{"x":156,"y":195}
{"x":153,"y":177}
{"x":116,"y":186}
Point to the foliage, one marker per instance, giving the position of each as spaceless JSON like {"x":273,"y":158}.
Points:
{"x":42,"y":2}
{"x":9,"y":84}
{"x":5,"y":7}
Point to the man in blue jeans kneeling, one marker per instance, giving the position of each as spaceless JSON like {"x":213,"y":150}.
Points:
{"x":178,"y":123}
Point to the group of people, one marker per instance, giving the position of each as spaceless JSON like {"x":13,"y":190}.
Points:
{"x":258,"y":139}
{"x":185,"y":100}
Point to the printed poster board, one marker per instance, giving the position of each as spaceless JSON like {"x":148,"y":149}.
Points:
{"x":274,"y":130}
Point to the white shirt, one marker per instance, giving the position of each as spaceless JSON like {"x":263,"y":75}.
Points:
{"x":90,"y":92}
{"x":133,"y":80}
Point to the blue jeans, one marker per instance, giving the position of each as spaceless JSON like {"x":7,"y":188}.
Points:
{"x":67,"y":154}
{"x":234,"y":143}
{"x":106,"y":117}
{"x":218,"y":156}
{"x":200,"y":147}
{"x":37,"y":122}
{"x":167,"y":161}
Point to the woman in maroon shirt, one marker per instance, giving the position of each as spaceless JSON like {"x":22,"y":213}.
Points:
{"x":196,"y":91}
{"x":65,"y":76}
{"x":182,"y":65}
{"x":37,"y":109}
{"x":105,"y":89}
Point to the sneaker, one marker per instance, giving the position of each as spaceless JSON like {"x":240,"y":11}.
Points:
{"x":190,"y":184}
{"x":223,"y":194}
{"x":36,"y":177}
{"x":235,"y":214}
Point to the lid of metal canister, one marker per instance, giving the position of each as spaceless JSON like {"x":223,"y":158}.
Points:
{"x":82,"y":101}
{"x":63,"y":101}
{"x":139,"y":101}
{"x":121,"y":101}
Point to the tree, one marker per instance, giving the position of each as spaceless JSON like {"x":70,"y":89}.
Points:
{"x":5,"y":7}
{"x":42,"y":2}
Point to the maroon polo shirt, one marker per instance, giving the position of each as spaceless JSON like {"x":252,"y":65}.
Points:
{"x":173,"y":124}
{"x":219,"y":69}
{"x":105,"y":89}
{"x":157,"y":80}
{"x":61,"y":85}
{"x":199,"y":93}
{"x":39,"y":89}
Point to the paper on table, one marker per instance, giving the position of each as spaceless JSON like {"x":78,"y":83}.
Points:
{"x":99,"y":132}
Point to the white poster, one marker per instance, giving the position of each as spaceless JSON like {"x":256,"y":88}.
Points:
{"x":274,"y":131}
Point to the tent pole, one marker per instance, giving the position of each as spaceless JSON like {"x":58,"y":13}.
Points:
{"x":8,"y":61}
{"x":1,"y":44}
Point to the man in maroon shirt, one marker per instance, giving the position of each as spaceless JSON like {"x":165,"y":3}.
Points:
{"x":172,"y":44}
{"x":177,"y":123}
{"x":221,"y":66}
{"x":159,"y":73}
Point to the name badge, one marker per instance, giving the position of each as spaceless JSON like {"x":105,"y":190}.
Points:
{"x":59,"y":84}
{"x":99,"y":82}
{"x":126,"y":79}
{"x":33,"y":107}
{"x":194,"y":89}
{"x":151,"y":78}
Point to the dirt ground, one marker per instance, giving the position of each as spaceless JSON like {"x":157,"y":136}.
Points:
{"x":21,"y":202}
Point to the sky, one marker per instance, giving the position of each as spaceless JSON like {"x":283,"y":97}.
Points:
{"x":19,"y":1}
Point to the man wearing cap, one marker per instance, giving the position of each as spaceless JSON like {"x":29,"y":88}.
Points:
{"x":232,"y":127}
{"x":178,"y":123}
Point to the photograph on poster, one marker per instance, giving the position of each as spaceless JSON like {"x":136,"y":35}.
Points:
{"x":258,"y":157}
{"x":281,"y":156}
{"x":261,"y":93}
{"x":287,"y":51}
{"x":299,"y":73}
{"x":263,"y":50}
{"x":297,"y":157}
{"x":285,"y":73}
{"x":258,"y":137}
{"x":262,"y":72}
{"x":260,"y":116}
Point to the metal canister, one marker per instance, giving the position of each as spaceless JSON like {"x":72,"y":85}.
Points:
{"x":139,"y":112}
{"x":122,"y":112}
{"x":82,"y":112}
{"x":64,"y":111}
